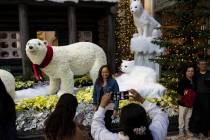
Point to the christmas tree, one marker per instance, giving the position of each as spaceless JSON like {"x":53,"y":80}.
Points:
{"x":185,"y":38}
{"x":124,"y":31}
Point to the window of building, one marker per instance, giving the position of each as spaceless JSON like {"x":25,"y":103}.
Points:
{"x":49,"y":36}
{"x":85,"y":36}
{"x":10,"y":45}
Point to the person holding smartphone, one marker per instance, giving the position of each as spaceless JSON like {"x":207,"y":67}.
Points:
{"x":134,"y":124}
{"x":105,"y":83}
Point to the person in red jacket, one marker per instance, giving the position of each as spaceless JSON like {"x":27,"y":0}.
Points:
{"x":185,"y":112}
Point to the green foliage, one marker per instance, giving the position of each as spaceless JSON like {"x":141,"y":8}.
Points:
{"x":82,"y":81}
{"x":124,"y":31}
{"x":21,"y":84}
{"x":170,"y":80}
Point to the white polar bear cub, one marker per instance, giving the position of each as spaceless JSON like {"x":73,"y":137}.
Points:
{"x":141,"y":73}
{"x":146,"y":24}
{"x":141,"y":78}
{"x":74,"y":59}
{"x":9,"y":82}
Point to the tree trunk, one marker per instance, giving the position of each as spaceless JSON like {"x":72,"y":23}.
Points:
{"x":24,"y":37}
{"x":111,"y":47}
{"x":72,"y":24}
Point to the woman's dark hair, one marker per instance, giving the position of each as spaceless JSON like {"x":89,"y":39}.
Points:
{"x":99,"y":80}
{"x":134,"y":116}
{"x":186,"y":67}
{"x":60,"y":125}
{"x":201,"y":60}
{"x":7,"y":105}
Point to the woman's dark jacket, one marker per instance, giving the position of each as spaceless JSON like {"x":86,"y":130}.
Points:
{"x":184,"y":84}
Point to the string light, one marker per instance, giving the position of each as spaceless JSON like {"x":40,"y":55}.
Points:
{"x":124,"y":32}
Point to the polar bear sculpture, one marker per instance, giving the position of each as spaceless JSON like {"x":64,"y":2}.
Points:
{"x":62,"y":63}
{"x":141,"y":78}
{"x":9,"y":82}
{"x":141,"y":73}
{"x":145,"y":24}
{"x":145,"y":46}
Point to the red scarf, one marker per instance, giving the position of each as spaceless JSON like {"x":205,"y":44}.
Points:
{"x":44,"y":63}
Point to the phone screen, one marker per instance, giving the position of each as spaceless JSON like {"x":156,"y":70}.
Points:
{"x":122,"y":95}
{"x":125,"y":95}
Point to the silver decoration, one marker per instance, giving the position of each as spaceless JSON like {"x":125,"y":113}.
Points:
{"x":31,"y":120}
{"x":34,"y":120}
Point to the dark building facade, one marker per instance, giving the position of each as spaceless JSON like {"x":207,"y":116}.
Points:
{"x":21,"y":20}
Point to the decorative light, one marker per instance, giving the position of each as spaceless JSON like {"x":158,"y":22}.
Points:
{"x":124,"y":31}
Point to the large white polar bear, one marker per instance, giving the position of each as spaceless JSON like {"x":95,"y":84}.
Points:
{"x":9,"y":82}
{"x":64,"y":62}
{"x":146,"y":24}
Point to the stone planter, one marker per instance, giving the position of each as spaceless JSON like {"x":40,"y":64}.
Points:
{"x":38,"y":134}
{"x":31,"y":135}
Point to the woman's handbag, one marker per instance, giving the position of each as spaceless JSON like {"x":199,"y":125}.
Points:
{"x":188,"y":98}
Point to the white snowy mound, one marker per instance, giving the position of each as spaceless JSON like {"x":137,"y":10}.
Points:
{"x":144,"y":45}
{"x":146,"y":89}
{"x":141,"y":78}
{"x":39,"y":90}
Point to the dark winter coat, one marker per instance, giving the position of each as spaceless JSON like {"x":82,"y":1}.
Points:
{"x":7,"y":115}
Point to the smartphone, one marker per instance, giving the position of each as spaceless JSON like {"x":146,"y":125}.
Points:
{"x":122,"y":95}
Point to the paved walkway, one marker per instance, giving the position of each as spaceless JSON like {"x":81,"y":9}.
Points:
{"x":177,"y":137}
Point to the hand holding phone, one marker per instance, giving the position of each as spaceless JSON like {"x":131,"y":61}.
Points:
{"x":136,"y":95}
